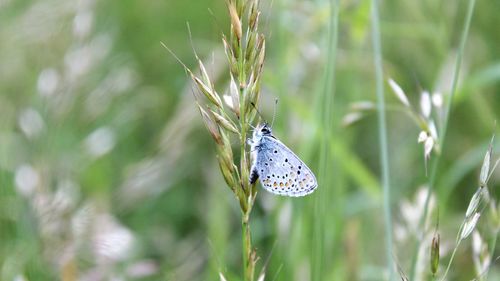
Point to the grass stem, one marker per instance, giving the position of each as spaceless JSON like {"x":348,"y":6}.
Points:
{"x":325,"y":162}
{"x":444,"y":127}
{"x":248,"y":264}
{"x":384,"y":157}
{"x":451,"y":260}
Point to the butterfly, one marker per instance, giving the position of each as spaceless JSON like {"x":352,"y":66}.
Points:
{"x":279,"y":169}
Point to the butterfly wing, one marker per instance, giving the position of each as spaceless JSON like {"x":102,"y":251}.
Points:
{"x":281,"y":171}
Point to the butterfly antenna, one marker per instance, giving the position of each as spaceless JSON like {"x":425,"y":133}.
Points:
{"x":274,"y":113}
{"x":258,"y":112}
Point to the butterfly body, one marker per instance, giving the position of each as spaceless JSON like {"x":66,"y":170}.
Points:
{"x":279,"y":169}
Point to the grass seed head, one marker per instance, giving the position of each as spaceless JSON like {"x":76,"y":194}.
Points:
{"x":211,"y":125}
{"x":224,"y":123}
{"x":253,"y":16}
{"x":261,"y":50}
{"x":204,"y":74}
{"x":422,"y":137}
{"x":469,"y":225}
{"x":425,"y":104}
{"x":221,"y":277}
{"x":208,"y":91}
{"x":437,"y":100}
{"x":362,"y":105}
{"x":226,"y":151}
{"x":235,"y":96}
{"x":228,"y":176}
{"x":480,"y":253}
{"x":474,"y":202}
{"x":398,"y":91}
{"x":351,"y":118}
{"x":485,"y":169}
{"x":231,"y":57}
{"x":435,"y":253}
{"x":235,"y":21}
{"x":250,"y":49}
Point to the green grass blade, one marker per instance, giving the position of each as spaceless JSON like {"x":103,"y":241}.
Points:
{"x":325,"y":164}
{"x":384,"y":154}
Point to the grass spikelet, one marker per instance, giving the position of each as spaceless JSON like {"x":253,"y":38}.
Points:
{"x":245,"y":68}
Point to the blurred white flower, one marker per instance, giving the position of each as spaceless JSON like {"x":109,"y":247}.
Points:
{"x":121,"y":80}
{"x":82,"y":23}
{"x":142,"y":269}
{"x":100,"y":46}
{"x":422,"y":137}
{"x":477,"y":242}
{"x":111,"y":240}
{"x":66,"y":196}
{"x":26,"y":178}
{"x":425,"y":104}
{"x":428,"y":145}
{"x":78,"y":62}
{"x":47,"y":83}
{"x":351,"y":118}
{"x":80,"y":222}
{"x":411,"y":212}
{"x":400,"y":232}
{"x":480,"y":253}
{"x":310,"y":51}
{"x":19,"y":278}
{"x":433,"y":130}
{"x":100,"y":142}
{"x":437,"y":99}
{"x":31,"y":123}
{"x":399,"y":92}
{"x":362,"y":105}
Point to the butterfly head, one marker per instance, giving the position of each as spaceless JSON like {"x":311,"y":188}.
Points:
{"x":262,"y":130}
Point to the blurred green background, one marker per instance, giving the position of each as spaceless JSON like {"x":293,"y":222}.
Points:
{"x":106,"y":171}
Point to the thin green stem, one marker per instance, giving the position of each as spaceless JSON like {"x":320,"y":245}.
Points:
{"x":492,"y":251}
{"x":456,"y":74}
{"x":384,"y":157}
{"x":327,"y":102}
{"x":444,"y":127}
{"x":494,"y":239}
{"x":451,"y":260}
{"x":248,"y":264}
{"x":248,"y":269}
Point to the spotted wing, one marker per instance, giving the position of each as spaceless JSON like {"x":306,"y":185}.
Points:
{"x":281,"y":171}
